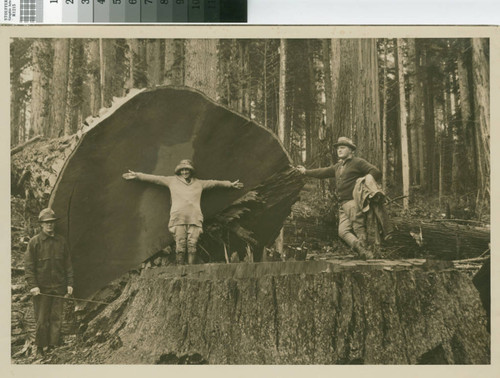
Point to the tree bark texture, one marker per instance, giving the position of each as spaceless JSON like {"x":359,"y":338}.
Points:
{"x":201,"y":66}
{"x":154,"y":62}
{"x":384,"y":120}
{"x":40,"y":88}
{"x":420,"y":107}
{"x":405,"y":165}
{"x":282,"y":134}
{"x":357,"y":105}
{"x":430,"y":134}
{"x":94,"y":76}
{"x":294,"y":313}
{"x":466,"y":100}
{"x":481,"y":70}
{"x":112,"y":225}
{"x":415,"y":112}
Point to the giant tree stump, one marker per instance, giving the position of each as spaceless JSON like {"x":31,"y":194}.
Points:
{"x":320,"y":312}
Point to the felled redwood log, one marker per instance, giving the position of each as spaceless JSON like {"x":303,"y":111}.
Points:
{"x":35,"y":167}
{"x":112,"y":225}
{"x":443,"y":240}
{"x":294,"y":313}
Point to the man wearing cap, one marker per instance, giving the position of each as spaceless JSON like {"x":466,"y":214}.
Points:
{"x":186,"y":218}
{"x":49,"y":273}
{"x":346,"y":172}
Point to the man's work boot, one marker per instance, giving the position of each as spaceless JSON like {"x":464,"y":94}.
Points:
{"x":191,"y":258}
{"x":363,"y":243}
{"x":180,"y":258}
{"x":39,"y":353}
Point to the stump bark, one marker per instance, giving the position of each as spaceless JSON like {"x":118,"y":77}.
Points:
{"x":318,"y":312}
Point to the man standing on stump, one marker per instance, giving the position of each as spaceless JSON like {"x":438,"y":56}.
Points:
{"x":346,"y":172}
{"x":186,"y":218}
{"x":49,"y":274}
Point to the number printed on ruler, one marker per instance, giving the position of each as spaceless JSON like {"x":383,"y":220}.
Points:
{"x":52,"y":11}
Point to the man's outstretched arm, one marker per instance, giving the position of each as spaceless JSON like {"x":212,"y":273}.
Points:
{"x":319,"y":173}
{"x":159,"y":180}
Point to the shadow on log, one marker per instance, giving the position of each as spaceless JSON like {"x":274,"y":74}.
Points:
{"x":113,"y":225}
{"x":293,"y":313}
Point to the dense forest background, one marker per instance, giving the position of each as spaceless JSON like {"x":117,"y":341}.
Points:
{"x":417,"y":108}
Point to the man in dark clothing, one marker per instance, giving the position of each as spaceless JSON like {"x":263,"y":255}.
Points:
{"x":346,"y":172}
{"x":48,"y":271}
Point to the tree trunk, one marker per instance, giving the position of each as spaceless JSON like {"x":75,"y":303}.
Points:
{"x":419,"y":99}
{"x":335,"y":64}
{"x":357,"y":104}
{"x":74,"y":90}
{"x":275,"y":313}
{"x":59,"y":87}
{"x":415,"y":108}
{"x":246,"y":78}
{"x":94,"y":76}
{"x":441,"y":239}
{"x":384,"y":120}
{"x":102,"y":72}
{"x":42,"y":70}
{"x":430,"y":134}
{"x":311,"y":104}
{"x":282,"y":129}
{"x":403,"y":127}
{"x":468,"y":135}
{"x":481,"y":79}
{"x":201,"y":66}
{"x":132,"y":52}
{"x":282,"y":94}
{"x":20,"y":59}
{"x":450,"y":134}
{"x":264,"y":83}
{"x":154,"y":62}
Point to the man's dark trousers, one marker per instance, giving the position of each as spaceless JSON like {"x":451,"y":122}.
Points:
{"x":49,"y":314}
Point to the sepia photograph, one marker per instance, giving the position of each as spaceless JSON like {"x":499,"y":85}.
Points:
{"x":302,"y":198}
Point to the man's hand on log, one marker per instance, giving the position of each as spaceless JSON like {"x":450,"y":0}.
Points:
{"x":237,"y":184}
{"x":130,"y":175}
{"x":35,"y":291}
{"x":70,"y":290}
{"x":301,"y":169}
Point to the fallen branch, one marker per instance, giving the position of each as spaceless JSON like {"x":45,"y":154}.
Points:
{"x":459,"y":220}
{"x":15,"y":150}
{"x":225,"y":253}
{"x":474,"y":259}
{"x":204,"y":250}
{"x":443,"y":240}
{"x":17,"y":270}
{"x":394,"y":199}
{"x":484,"y":253}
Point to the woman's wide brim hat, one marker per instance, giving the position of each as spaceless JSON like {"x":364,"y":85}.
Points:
{"x":344,"y":141}
{"x":184,"y":164}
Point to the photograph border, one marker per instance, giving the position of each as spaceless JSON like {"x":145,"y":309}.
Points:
{"x":204,"y":32}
